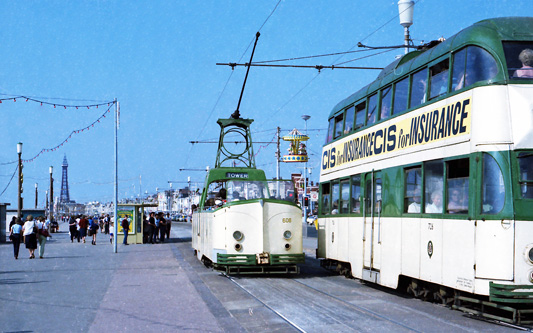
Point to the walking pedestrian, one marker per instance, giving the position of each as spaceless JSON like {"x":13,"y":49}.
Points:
{"x":94,"y":228}
{"x":83,"y":227}
{"x":42,"y":234}
{"x":30,"y":237}
{"x":15,"y":234}
{"x":106,"y":224}
{"x":73,"y":229}
{"x":125,"y":227}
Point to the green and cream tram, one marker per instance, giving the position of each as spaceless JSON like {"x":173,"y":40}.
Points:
{"x":427,"y":172}
{"x":246,"y":223}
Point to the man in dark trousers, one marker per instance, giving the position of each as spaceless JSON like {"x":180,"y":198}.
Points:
{"x":162,"y":228}
{"x":126,"y":227}
{"x":151,"y":228}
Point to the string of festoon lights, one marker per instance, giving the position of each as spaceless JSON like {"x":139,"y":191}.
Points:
{"x":65,"y":106}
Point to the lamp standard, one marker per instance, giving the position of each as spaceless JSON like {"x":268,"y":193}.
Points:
{"x":19,"y":206}
{"x":36,"y":196}
{"x":305,"y":118}
{"x":51,"y":210}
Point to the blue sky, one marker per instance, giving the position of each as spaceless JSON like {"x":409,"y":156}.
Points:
{"x":157,"y":58}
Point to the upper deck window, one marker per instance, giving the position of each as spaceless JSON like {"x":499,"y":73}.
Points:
{"x":331,"y":127}
{"x":338,"y":125}
{"x":360,"y":115}
{"x":418,"y":88}
{"x":372,"y":109}
{"x":519,"y":56}
{"x":470,"y":65}
{"x":401,"y":91}
{"x":439,"y":79}
{"x":348,"y":123}
{"x":386,"y":101}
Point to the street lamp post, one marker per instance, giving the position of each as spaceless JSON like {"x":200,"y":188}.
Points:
{"x":36,"y":196}
{"x":305,"y":118}
{"x":19,"y":206}
{"x":51,"y":210}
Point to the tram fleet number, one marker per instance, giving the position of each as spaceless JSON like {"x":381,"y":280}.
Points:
{"x":287,"y":220}
{"x":449,"y":121}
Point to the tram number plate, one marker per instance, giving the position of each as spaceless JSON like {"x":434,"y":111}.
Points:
{"x":287,"y":220}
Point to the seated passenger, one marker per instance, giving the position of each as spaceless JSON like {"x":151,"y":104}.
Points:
{"x":436,"y":203}
{"x":526,"y":57}
{"x":455,"y":204}
{"x":414,"y":207}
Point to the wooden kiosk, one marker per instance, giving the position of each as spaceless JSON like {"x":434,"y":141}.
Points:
{"x":135,"y":214}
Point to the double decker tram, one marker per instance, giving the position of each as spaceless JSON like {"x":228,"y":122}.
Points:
{"x":427,"y":172}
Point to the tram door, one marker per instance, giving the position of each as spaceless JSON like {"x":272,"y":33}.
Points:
{"x":372,"y":226}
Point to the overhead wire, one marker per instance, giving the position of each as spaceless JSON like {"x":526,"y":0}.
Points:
{"x":9,"y":183}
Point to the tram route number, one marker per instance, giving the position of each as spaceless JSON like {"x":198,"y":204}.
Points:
{"x":287,"y":220}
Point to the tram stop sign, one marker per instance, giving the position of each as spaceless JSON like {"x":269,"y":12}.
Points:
{"x":314,"y":196}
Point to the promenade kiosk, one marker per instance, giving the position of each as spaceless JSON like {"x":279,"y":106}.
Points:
{"x":135,"y":214}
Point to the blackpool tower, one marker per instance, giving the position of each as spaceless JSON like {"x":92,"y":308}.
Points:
{"x":65,"y":197}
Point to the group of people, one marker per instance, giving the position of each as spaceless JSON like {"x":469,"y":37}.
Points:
{"x":156,"y":228}
{"x":32,"y":232}
{"x":81,"y":226}
{"x":455,"y":203}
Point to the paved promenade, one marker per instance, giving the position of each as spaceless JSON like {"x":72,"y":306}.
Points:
{"x":80,"y":287}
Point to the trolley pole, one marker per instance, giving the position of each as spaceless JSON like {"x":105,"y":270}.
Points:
{"x":278,"y":157}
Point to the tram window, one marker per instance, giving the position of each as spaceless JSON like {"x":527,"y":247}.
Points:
{"x":433,"y":186}
{"x":401,"y":91}
{"x":386,"y":101}
{"x":335,"y":198}
{"x":345,"y":197}
{"x":479,"y":66}
{"x":519,"y":56}
{"x":338,"y":125}
{"x":326,"y":198}
{"x":418,"y":88}
{"x":331,"y":127}
{"x":493,"y":191}
{"x":525,"y":162}
{"x":356,"y":194}
{"x":216,"y":192}
{"x":459,"y":64}
{"x":439,"y":79}
{"x":457,"y":185}
{"x":372,"y":109}
{"x":348,"y":123}
{"x":360,"y":115}
{"x":378,"y":196}
{"x":412,"y":194}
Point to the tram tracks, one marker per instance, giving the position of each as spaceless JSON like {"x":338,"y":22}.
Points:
{"x":306,"y":308}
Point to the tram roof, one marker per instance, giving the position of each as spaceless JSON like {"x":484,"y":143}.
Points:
{"x":487,"y":33}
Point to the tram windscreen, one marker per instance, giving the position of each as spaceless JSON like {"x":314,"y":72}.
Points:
{"x":282,"y":190}
{"x":246,"y":190}
{"x":519,"y":56}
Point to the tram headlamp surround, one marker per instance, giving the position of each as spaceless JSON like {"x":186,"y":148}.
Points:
{"x":238,"y":235}
{"x":530,"y":255}
{"x":287,"y":234}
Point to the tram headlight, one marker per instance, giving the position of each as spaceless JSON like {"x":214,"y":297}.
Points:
{"x":287,"y":234}
{"x":238,"y":235}
{"x":530,"y":255}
